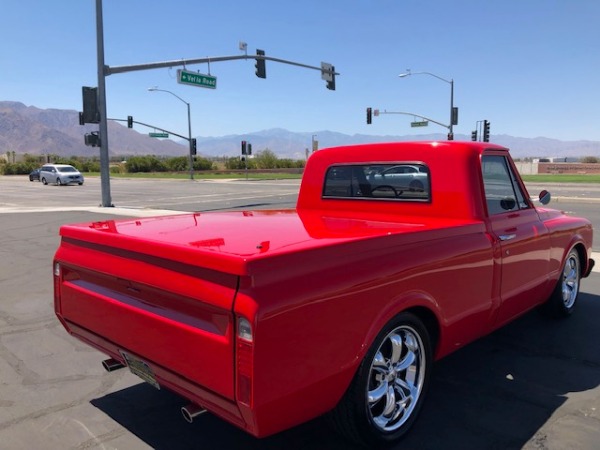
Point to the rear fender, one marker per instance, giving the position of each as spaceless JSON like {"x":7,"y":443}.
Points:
{"x":405,"y":301}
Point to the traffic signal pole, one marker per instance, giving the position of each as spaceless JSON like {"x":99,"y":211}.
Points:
{"x":327,"y":70}
{"x":103,"y":124}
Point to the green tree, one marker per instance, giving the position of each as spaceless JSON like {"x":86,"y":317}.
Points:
{"x":266,"y":159}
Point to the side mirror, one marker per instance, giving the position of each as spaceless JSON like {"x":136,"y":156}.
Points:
{"x":545,"y":197}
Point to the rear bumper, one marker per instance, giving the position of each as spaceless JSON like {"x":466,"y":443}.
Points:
{"x":216,"y":404}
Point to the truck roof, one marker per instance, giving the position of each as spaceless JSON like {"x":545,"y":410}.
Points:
{"x":455,"y":178}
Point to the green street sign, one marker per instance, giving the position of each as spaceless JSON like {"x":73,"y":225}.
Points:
{"x":419,"y":124}
{"x":196,"y":79}
{"x":159,"y":135}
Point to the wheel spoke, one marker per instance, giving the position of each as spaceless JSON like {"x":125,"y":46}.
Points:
{"x":396,"y":341}
{"x":390,"y":403}
{"x":379,"y":361}
{"x":410,"y":388}
{"x":373,"y":396}
{"x":408,"y":361}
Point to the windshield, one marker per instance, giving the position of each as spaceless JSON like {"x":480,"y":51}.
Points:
{"x":66,"y":169}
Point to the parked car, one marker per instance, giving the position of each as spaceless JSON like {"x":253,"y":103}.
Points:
{"x":60,"y":174}
{"x":401,"y":177}
{"x":34,"y":175}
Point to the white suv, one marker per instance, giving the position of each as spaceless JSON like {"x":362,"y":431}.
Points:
{"x":60,"y":174}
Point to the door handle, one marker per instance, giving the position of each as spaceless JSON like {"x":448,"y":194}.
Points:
{"x":507,"y":237}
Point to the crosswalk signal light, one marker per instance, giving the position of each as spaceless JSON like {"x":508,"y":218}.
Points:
{"x":129,"y":121}
{"x":261,"y":67}
{"x":369,"y":116}
{"x":486,"y":131}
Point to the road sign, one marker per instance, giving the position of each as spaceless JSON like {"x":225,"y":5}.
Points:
{"x":159,"y":135}
{"x":196,"y":79}
{"x":423,"y":123}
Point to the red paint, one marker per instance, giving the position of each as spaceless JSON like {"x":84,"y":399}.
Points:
{"x":316,"y":283}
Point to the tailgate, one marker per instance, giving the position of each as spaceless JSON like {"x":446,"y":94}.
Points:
{"x":172,"y":315}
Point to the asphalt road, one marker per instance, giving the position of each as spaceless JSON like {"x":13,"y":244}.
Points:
{"x":534,"y":384}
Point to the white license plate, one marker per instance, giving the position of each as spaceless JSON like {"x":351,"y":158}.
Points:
{"x":140,"y":368}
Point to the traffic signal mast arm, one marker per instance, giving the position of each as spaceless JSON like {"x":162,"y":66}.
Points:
{"x":154,"y":127}
{"x":108,"y":70}
{"x":415,"y":115}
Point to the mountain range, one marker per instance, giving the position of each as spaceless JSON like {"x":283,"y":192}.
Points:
{"x":27,"y":129}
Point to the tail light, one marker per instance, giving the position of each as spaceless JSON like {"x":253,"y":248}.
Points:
{"x":57,"y":273}
{"x":244,"y":360}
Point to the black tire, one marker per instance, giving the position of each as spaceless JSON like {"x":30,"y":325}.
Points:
{"x":389,"y":387}
{"x":44,"y":181}
{"x":58,"y":182}
{"x":416,"y":185}
{"x":563,"y":299}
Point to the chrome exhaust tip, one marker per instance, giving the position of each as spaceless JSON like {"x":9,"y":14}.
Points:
{"x":191,"y":411}
{"x":111,"y":365}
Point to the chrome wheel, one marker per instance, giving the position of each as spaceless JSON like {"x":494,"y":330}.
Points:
{"x":570,"y":280}
{"x":390,"y":385}
{"x":563,"y":300}
{"x":396,"y":378}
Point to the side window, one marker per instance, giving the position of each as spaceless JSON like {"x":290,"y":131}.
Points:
{"x":502,"y":191}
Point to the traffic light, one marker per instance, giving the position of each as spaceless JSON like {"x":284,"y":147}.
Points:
{"x":328,"y":74}
{"x":369,"y":116}
{"x":486,"y":131}
{"x":331,"y":83}
{"x":81,"y":119}
{"x":454,"y":115}
{"x":92,"y":139}
{"x":261,"y":68}
{"x":244,"y":148}
{"x":193,"y":146}
{"x":91,"y":114}
{"x":249,"y":147}
{"x":474,"y":136}
{"x":129,"y":121}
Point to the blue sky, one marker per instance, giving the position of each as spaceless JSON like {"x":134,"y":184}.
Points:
{"x":530,"y":67}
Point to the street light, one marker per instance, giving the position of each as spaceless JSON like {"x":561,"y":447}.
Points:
{"x":453,"y":113}
{"x":191,"y":158}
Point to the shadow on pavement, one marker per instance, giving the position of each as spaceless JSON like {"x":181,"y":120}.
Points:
{"x":495,"y":393}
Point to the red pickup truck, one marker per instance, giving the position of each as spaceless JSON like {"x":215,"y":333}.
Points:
{"x":396,"y":255}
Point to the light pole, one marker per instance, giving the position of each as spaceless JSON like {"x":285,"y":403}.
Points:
{"x":453,"y":114}
{"x":191,"y":157}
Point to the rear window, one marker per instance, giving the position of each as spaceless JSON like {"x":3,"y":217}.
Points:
{"x":390,"y":181}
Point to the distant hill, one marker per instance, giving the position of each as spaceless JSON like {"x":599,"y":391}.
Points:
{"x":27,"y":129}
